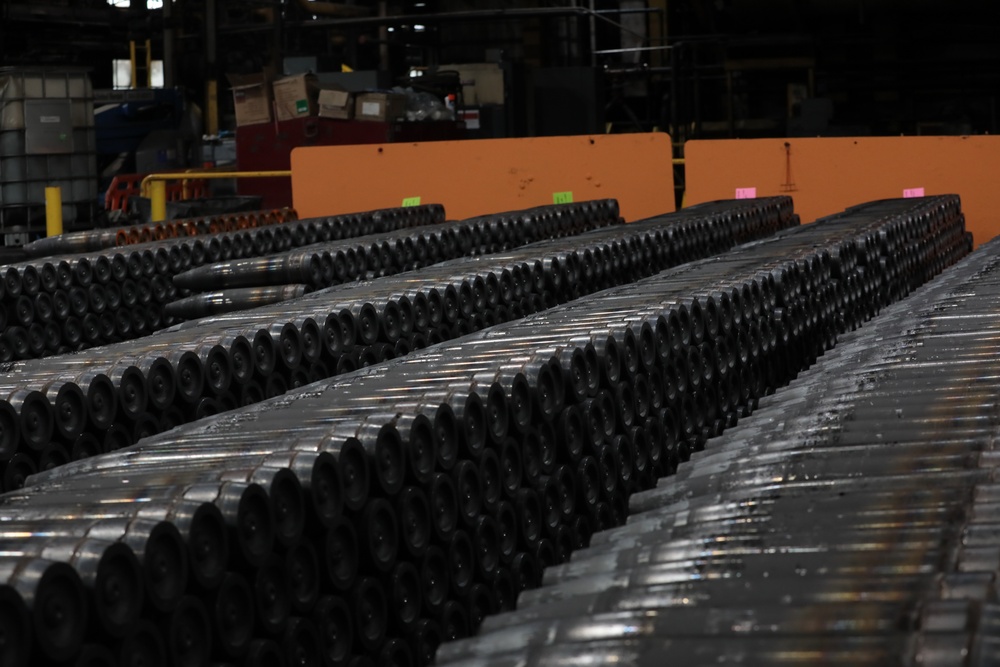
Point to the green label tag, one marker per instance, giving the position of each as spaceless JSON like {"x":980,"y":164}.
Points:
{"x":411,"y":201}
{"x":301,"y":106}
{"x":562,"y":197}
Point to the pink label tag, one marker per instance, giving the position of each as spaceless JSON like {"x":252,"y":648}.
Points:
{"x":746,"y":193}
{"x":913,"y":192}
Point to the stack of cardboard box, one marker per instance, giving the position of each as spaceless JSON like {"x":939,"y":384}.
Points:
{"x":301,"y":95}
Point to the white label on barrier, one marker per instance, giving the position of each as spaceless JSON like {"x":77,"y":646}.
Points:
{"x":371,"y":108}
{"x":746,"y":193}
{"x":913,"y":192}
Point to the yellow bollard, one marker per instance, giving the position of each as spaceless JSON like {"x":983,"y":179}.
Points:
{"x":53,"y":211}
{"x":158,"y":200}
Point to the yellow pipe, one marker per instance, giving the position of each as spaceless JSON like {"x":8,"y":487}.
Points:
{"x":149,"y":64}
{"x":144,"y":186}
{"x":53,"y":211}
{"x":158,"y":200}
{"x":131,"y":57}
{"x":184,"y":182}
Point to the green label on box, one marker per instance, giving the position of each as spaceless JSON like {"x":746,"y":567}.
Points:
{"x":411,"y":201}
{"x":562,"y":197}
{"x":301,"y":106}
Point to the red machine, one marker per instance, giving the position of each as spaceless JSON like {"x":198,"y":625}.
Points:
{"x":268,"y":146}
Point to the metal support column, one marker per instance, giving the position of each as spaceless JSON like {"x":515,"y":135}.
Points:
{"x":211,"y":80}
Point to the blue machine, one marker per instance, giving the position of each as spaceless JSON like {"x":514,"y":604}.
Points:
{"x":145,"y":130}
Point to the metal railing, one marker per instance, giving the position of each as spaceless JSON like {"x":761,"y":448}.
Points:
{"x":155,"y":185}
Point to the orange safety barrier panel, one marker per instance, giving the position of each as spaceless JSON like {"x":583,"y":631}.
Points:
{"x":826,"y":175}
{"x":477,"y":177}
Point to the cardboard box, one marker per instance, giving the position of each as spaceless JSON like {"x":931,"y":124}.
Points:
{"x":296,"y":96}
{"x":482,"y":83}
{"x":251,"y":98}
{"x":334,"y":103}
{"x":379,"y":106}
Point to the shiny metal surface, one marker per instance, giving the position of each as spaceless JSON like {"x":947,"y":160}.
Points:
{"x":465,"y":468}
{"x":97,"y":288}
{"x":212,"y":365}
{"x":87,"y":241}
{"x":851,"y":519}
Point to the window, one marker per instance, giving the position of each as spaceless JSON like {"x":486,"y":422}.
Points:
{"x":121,"y":74}
{"x":150,"y":4}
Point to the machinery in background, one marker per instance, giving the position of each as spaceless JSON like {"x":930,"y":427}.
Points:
{"x":268,"y":146}
{"x":273,"y":117}
{"x":146,"y":130}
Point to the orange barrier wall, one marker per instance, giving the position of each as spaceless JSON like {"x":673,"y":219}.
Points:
{"x":476,"y":177}
{"x":826,"y":175}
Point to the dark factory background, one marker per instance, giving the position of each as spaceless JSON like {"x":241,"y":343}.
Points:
{"x":613,"y":385}
{"x":698,"y":68}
